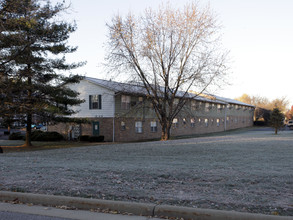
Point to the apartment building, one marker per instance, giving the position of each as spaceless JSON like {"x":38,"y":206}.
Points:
{"x":122,"y":112}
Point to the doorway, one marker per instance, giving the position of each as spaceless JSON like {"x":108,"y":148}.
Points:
{"x":96,"y":128}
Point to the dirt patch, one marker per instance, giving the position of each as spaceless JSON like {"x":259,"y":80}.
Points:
{"x":249,"y":172}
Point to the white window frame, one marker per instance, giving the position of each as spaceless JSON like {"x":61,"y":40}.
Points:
{"x":206,"y":121}
{"x":138,"y":127}
{"x":154,"y":126}
{"x":123,"y":126}
{"x":95,"y":102}
{"x":175,"y":122}
{"x":184,"y":121}
{"x":192,"y":122}
{"x":125,"y":102}
{"x":193,"y":105}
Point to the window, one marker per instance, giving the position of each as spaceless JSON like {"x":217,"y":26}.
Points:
{"x":192,"y":122}
{"x":175,"y":122}
{"x":154,"y":127}
{"x":193,"y":105}
{"x":218,"y":122}
{"x":140,"y":99}
{"x":207,"y":106}
{"x":138,"y":127}
{"x":184,"y":121}
{"x":176,"y":101}
{"x":95,"y":101}
{"x":206,"y":121}
{"x":123,"y":126}
{"x":125,"y":102}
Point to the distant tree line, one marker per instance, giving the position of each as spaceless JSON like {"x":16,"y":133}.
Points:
{"x":265,"y":107}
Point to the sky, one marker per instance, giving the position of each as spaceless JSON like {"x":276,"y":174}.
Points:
{"x":258,"y":34}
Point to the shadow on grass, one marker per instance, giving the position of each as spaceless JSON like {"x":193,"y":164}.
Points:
{"x":17,"y":147}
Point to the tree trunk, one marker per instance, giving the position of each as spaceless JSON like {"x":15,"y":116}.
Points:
{"x":276,"y":130}
{"x":166,"y":127}
{"x":28,"y":142}
{"x":29,"y":114}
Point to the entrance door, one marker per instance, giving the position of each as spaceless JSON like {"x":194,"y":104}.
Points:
{"x":96,"y":128}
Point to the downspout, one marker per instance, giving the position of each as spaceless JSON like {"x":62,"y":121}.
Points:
{"x":225,"y":120}
{"x":114,"y":118}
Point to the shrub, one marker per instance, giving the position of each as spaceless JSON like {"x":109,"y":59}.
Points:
{"x":96,"y":138}
{"x":16,"y":136}
{"x":47,"y":136}
{"x":260,"y":123}
{"x":36,"y":135}
{"x":84,"y":138}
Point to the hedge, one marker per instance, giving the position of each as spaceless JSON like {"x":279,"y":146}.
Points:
{"x":16,"y":136}
{"x":96,"y":138}
{"x":91,"y":138}
{"x":46,"y":136}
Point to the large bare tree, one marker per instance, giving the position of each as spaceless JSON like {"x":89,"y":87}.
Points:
{"x":168,"y":51}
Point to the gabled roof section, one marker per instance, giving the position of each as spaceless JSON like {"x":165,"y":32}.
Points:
{"x":118,"y":86}
{"x":140,"y":90}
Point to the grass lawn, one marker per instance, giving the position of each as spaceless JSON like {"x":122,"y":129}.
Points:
{"x":248,"y":171}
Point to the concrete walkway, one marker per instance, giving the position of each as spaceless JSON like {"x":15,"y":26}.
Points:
{"x":139,"y":210}
{"x":41,"y":212}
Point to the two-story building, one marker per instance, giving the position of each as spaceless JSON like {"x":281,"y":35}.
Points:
{"x":122,"y":112}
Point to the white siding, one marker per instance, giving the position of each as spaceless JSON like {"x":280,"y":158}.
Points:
{"x":85,"y":89}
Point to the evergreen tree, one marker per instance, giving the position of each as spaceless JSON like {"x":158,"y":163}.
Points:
{"x":33,"y":48}
{"x":277,"y":119}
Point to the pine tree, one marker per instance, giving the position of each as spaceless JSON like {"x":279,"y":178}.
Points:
{"x":33,"y":48}
{"x":277,"y":119}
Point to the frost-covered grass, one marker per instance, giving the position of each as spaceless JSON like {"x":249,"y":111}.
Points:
{"x":247,"y":171}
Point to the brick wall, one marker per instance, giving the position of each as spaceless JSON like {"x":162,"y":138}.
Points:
{"x":125,"y":129}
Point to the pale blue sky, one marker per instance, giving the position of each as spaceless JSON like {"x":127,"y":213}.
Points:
{"x":258,"y":34}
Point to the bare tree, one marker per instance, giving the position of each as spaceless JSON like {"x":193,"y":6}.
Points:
{"x":263,"y":102}
{"x":168,"y":51}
